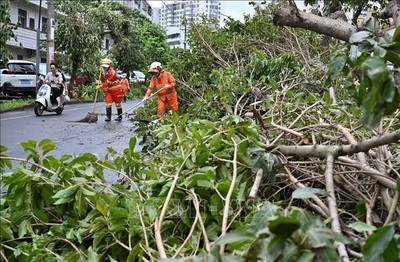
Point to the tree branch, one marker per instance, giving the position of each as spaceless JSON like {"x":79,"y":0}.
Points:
{"x":330,"y":188}
{"x":339,"y":29}
{"x":322,"y":151}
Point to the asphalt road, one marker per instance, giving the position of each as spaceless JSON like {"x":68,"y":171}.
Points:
{"x":70,"y":137}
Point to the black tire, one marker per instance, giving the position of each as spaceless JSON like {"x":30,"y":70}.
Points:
{"x":59,"y":110}
{"x":39,"y":109}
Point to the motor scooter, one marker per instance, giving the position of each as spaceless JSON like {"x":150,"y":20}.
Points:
{"x":45,"y":102}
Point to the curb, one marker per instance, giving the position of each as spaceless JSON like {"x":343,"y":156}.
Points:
{"x":23,"y":108}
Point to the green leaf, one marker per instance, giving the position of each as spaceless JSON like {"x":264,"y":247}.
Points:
{"x":392,"y":252}
{"x":65,"y":195}
{"x":308,"y":192}
{"x":233,"y":237}
{"x":41,"y":215}
{"x":319,"y":237}
{"x":201,"y":155}
{"x":23,"y":228}
{"x":47,"y":145}
{"x":102,"y":206}
{"x":361,"y":207}
{"x":396,"y":35}
{"x":380,"y":52}
{"x":262,"y":217}
{"x":5,"y":229}
{"x":359,"y":37}
{"x":284,"y":226}
{"x":377,"y":243}
{"x":389,"y":91}
{"x":118,"y":213}
{"x":196,"y":135}
{"x":80,"y":203}
{"x":132,"y":144}
{"x":336,"y":66}
{"x":362,"y":227}
{"x":269,"y":163}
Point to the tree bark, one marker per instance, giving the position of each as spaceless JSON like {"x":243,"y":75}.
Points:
{"x":336,"y":28}
{"x":322,"y":151}
{"x":290,"y":16}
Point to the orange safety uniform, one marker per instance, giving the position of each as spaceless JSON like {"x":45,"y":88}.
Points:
{"x":124,"y":86}
{"x":165,"y":97}
{"x":113,"y":90}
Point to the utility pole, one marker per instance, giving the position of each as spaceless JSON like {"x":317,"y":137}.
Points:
{"x":50,"y":33}
{"x":38,"y":43}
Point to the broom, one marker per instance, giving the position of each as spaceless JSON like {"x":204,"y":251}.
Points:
{"x":92,"y":117}
{"x":138,"y":104}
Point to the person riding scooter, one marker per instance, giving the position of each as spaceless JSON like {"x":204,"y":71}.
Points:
{"x":55,"y":79}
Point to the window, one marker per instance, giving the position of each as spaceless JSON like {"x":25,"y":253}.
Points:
{"x":22,"y":17}
{"x":32,"y":23}
{"x":107,"y":44}
{"x":44,"y":24}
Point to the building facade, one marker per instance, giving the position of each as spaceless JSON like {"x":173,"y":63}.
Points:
{"x":25,"y":14}
{"x":178,"y":16}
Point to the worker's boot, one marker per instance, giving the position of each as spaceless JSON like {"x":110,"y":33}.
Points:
{"x":108,"y":113}
{"x":119,"y":118}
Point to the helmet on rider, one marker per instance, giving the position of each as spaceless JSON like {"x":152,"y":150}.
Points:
{"x":105,"y":62}
{"x":155,"y":68}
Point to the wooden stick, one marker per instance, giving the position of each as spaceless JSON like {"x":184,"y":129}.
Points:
{"x":229,"y":194}
{"x":256,"y":185}
{"x":330,"y":188}
{"x":159,"y":221}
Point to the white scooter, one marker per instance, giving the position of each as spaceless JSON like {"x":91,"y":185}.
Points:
{"x":44,"y":101}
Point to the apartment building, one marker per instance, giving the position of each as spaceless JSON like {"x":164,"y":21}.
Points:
{"x":25,"y":14}
{"x":178,"y":16}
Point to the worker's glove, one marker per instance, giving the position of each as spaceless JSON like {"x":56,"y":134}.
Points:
{"x":166,"y":87}
{"x":98,"y":82}
{"x":99,"y":87}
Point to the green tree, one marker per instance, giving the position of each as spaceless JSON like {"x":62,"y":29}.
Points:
{"x":5,"y":28}
{"x":77,"y":36}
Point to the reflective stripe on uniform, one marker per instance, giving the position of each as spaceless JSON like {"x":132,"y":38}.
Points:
{"x":167,"y":95}
{"x":114,"y":87}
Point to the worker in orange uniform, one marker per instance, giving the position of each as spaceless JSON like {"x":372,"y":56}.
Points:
{"x":164,"y":83}
{"x":112,"y":86}
{"x":125,"y":86}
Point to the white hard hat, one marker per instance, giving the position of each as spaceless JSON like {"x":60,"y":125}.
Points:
{"x":155,"y":67}
{"x":124,"y":75}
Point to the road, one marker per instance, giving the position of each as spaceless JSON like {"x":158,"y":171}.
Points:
{"x":70,"y":137}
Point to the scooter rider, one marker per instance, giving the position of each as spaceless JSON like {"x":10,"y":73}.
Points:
{"x":55,"y":79}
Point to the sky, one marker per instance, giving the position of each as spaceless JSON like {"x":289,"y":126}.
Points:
{"x":235,"y":9}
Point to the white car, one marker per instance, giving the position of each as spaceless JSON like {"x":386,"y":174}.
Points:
{"x":18,"y":77}
{"x":137,"y":76}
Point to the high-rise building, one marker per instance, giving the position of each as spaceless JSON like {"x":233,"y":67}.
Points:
{"x":178,"y":16}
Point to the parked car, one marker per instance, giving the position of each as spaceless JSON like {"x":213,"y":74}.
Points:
{"x":18,"y":77}
{"x":137,"y":76}
{"x":84,"y":80}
